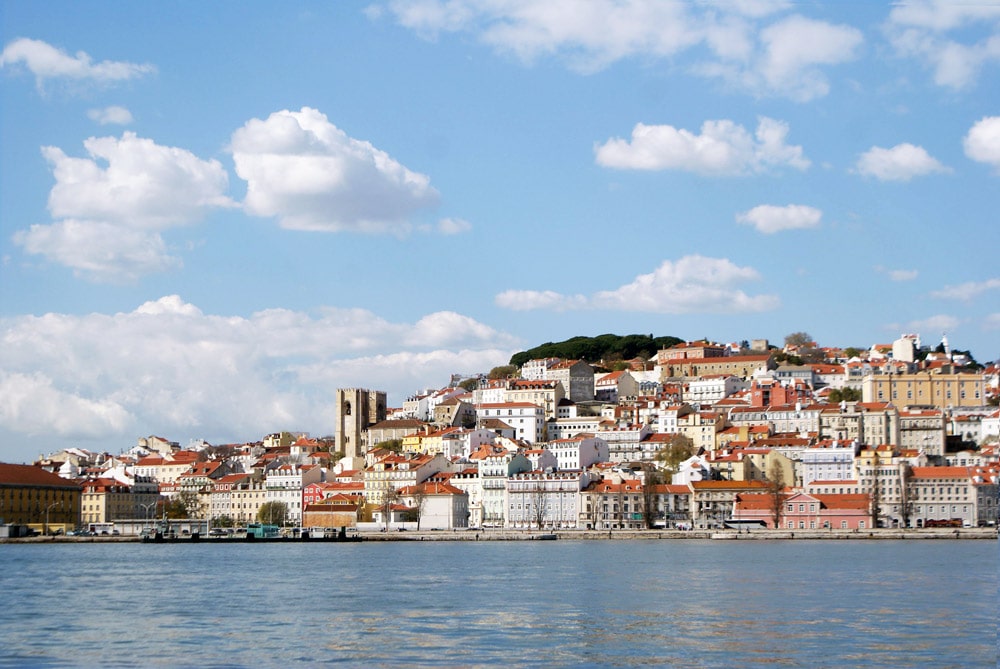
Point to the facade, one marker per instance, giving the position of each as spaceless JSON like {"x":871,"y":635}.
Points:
{"x":926,"y":389}
{"x":38,"y":499}
{"x":576,"y":377}
{"x":544,"y":500}
{"x":528,"y":420}
{"x":356,"y":410}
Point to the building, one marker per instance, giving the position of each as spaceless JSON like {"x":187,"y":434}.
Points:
{"x":38,"y":499}
{"x":527,"y":419}
{"x":356,"y":410}
{"x":926,"y":389}
{"x":544,"y":500}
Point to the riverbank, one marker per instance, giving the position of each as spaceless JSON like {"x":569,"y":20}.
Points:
{"x":989,"y":533}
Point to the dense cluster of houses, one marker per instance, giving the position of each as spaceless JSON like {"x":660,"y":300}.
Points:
{"x":702,"y":435}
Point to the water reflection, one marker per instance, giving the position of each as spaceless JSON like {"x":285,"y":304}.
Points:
{"x":684,"y":604}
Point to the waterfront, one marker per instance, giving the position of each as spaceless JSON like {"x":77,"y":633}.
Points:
{"x":564,"y":603}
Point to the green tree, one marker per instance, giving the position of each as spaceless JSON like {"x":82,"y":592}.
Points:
{"x":651,"y":480}
{"x":838,"y":395}
{"x":852,"y":352}
{"x":273,"y":513}
{"x":394,"y":445}
{"x":223,"y":521}
{"x":503,"y":372}
{"x":183,"y":505}
{"x":678,"y":448}
{"x":469,"y":384}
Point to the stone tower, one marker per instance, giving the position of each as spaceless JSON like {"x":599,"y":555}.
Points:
{"x":356,"y":410}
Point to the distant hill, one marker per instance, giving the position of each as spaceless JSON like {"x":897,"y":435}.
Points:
{"x":594,"y":349}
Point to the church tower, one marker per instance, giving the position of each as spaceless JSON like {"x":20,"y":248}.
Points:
{"x":357,"y":409}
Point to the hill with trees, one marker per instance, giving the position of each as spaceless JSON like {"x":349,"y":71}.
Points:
{"x":606,"y":347}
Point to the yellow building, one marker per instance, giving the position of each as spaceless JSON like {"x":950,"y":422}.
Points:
{"x":929,"y":389}
{"x":39,"y":499}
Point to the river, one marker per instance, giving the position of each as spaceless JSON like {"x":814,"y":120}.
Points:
{"x":465,"y":604}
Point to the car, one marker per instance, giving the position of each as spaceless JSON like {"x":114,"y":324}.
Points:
{"x":216,"y":532}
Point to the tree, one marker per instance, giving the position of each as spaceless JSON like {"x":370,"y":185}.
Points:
{"x":875,"y":492}
{"x":678,"y":448}
{"x":394,"y":445}
{"x":185,"y":504}
{"x":798,"y":339}
{"x":848,"y":394}
{"x":852,"y":352}
{"x":223,"y":521}
{"x":906,"y":494}
{"x":469,"y":384}
{"x":651,"y":480}
{"x":503,"y":372}
{"x":419,"y":496}
{"x":775,"y":479}
{"x":538,"y":504}
{"x":273,"y":513}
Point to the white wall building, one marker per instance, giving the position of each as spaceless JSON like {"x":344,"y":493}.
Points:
{"x":528,"y":420}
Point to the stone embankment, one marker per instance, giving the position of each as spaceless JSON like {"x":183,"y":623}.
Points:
{"x":596,"y":535}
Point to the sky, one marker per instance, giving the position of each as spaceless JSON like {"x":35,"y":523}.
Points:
{"x":212,"y":215}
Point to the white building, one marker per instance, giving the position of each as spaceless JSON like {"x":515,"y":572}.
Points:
{"x":545,"y":500}
{"x":528,"y":420}
{"x":578,"y":452}
{"x":496,"y":465}
{"x":831,"y":463}
{"x":285,"y":484}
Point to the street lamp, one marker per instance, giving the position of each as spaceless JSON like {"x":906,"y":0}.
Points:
{"x":49,"y":508}
{"x":145,"y":511}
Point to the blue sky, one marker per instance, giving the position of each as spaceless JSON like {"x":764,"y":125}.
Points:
{"x":212,"y":216}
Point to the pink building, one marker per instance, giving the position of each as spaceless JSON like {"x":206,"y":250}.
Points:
{"x":807,"y":512}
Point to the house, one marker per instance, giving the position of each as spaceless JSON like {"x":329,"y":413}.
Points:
{"x":41,"y":500}
{"x":544,"y":500}
{"x":801,"y":511}
{"x":527,"y":419}
{"x":439,"y":506}
{"x":610,"y":387}
{"x":578,"y":452}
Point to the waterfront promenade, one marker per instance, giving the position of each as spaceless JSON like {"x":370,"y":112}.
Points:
{"x":981,"y":533}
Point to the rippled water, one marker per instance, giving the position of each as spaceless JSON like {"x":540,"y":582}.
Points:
{"x":461,"y":604}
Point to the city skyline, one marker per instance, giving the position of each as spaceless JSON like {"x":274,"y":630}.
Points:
{"x":211,"y":219}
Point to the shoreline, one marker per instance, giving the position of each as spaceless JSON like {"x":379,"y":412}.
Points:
{"x":979,"y":533}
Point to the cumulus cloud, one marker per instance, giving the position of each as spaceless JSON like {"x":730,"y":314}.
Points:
{"x":309,"y":174}
{"x":113,"y":115}
{"x":786,"y":59}
{"x":111,"y":206}
{"x":938,"y":323}
{"x":48,"y":62}
{"x":782,"y":58}
{"x":167,"y":367}
{"x":723,"y":148}
{"x":453,"y":226}
{"x":900,"y":163}
{"x":982,"y":143}
{"x":768,"y":218}
{"x":966,"y":291}
{"x":931,"y":32}
{"x":692,"y":284}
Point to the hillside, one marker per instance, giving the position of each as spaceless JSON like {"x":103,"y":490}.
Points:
{"x":594,"y":349}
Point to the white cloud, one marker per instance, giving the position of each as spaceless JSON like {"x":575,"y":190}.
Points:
{"x":113,"y":115}
{"x":590,"y":35}
{"x":48,"y":62}
{"x":111,"y":206}
{"x":900,"y":163}
{"x":902,"y":274}
{"x":992,"y":322}
{"x":451,"y":226}
{"x":167,"y":367}
{"x":938,"y":323}
{"x":529,"y":300}
{"x":307,"y":172}
{"x":967,"y":291}
{"x":722,"y":148}
{"x":982,"y":143}
{"x":692,"y":284}
{"x":768,"y":218}
{"x":782,"y":59}
{"x":98,"y":250}
{"x":920,"y":29}
{"x":792,"y":51}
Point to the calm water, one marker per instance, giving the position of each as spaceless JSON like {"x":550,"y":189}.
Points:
{"x":561,"y":603}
